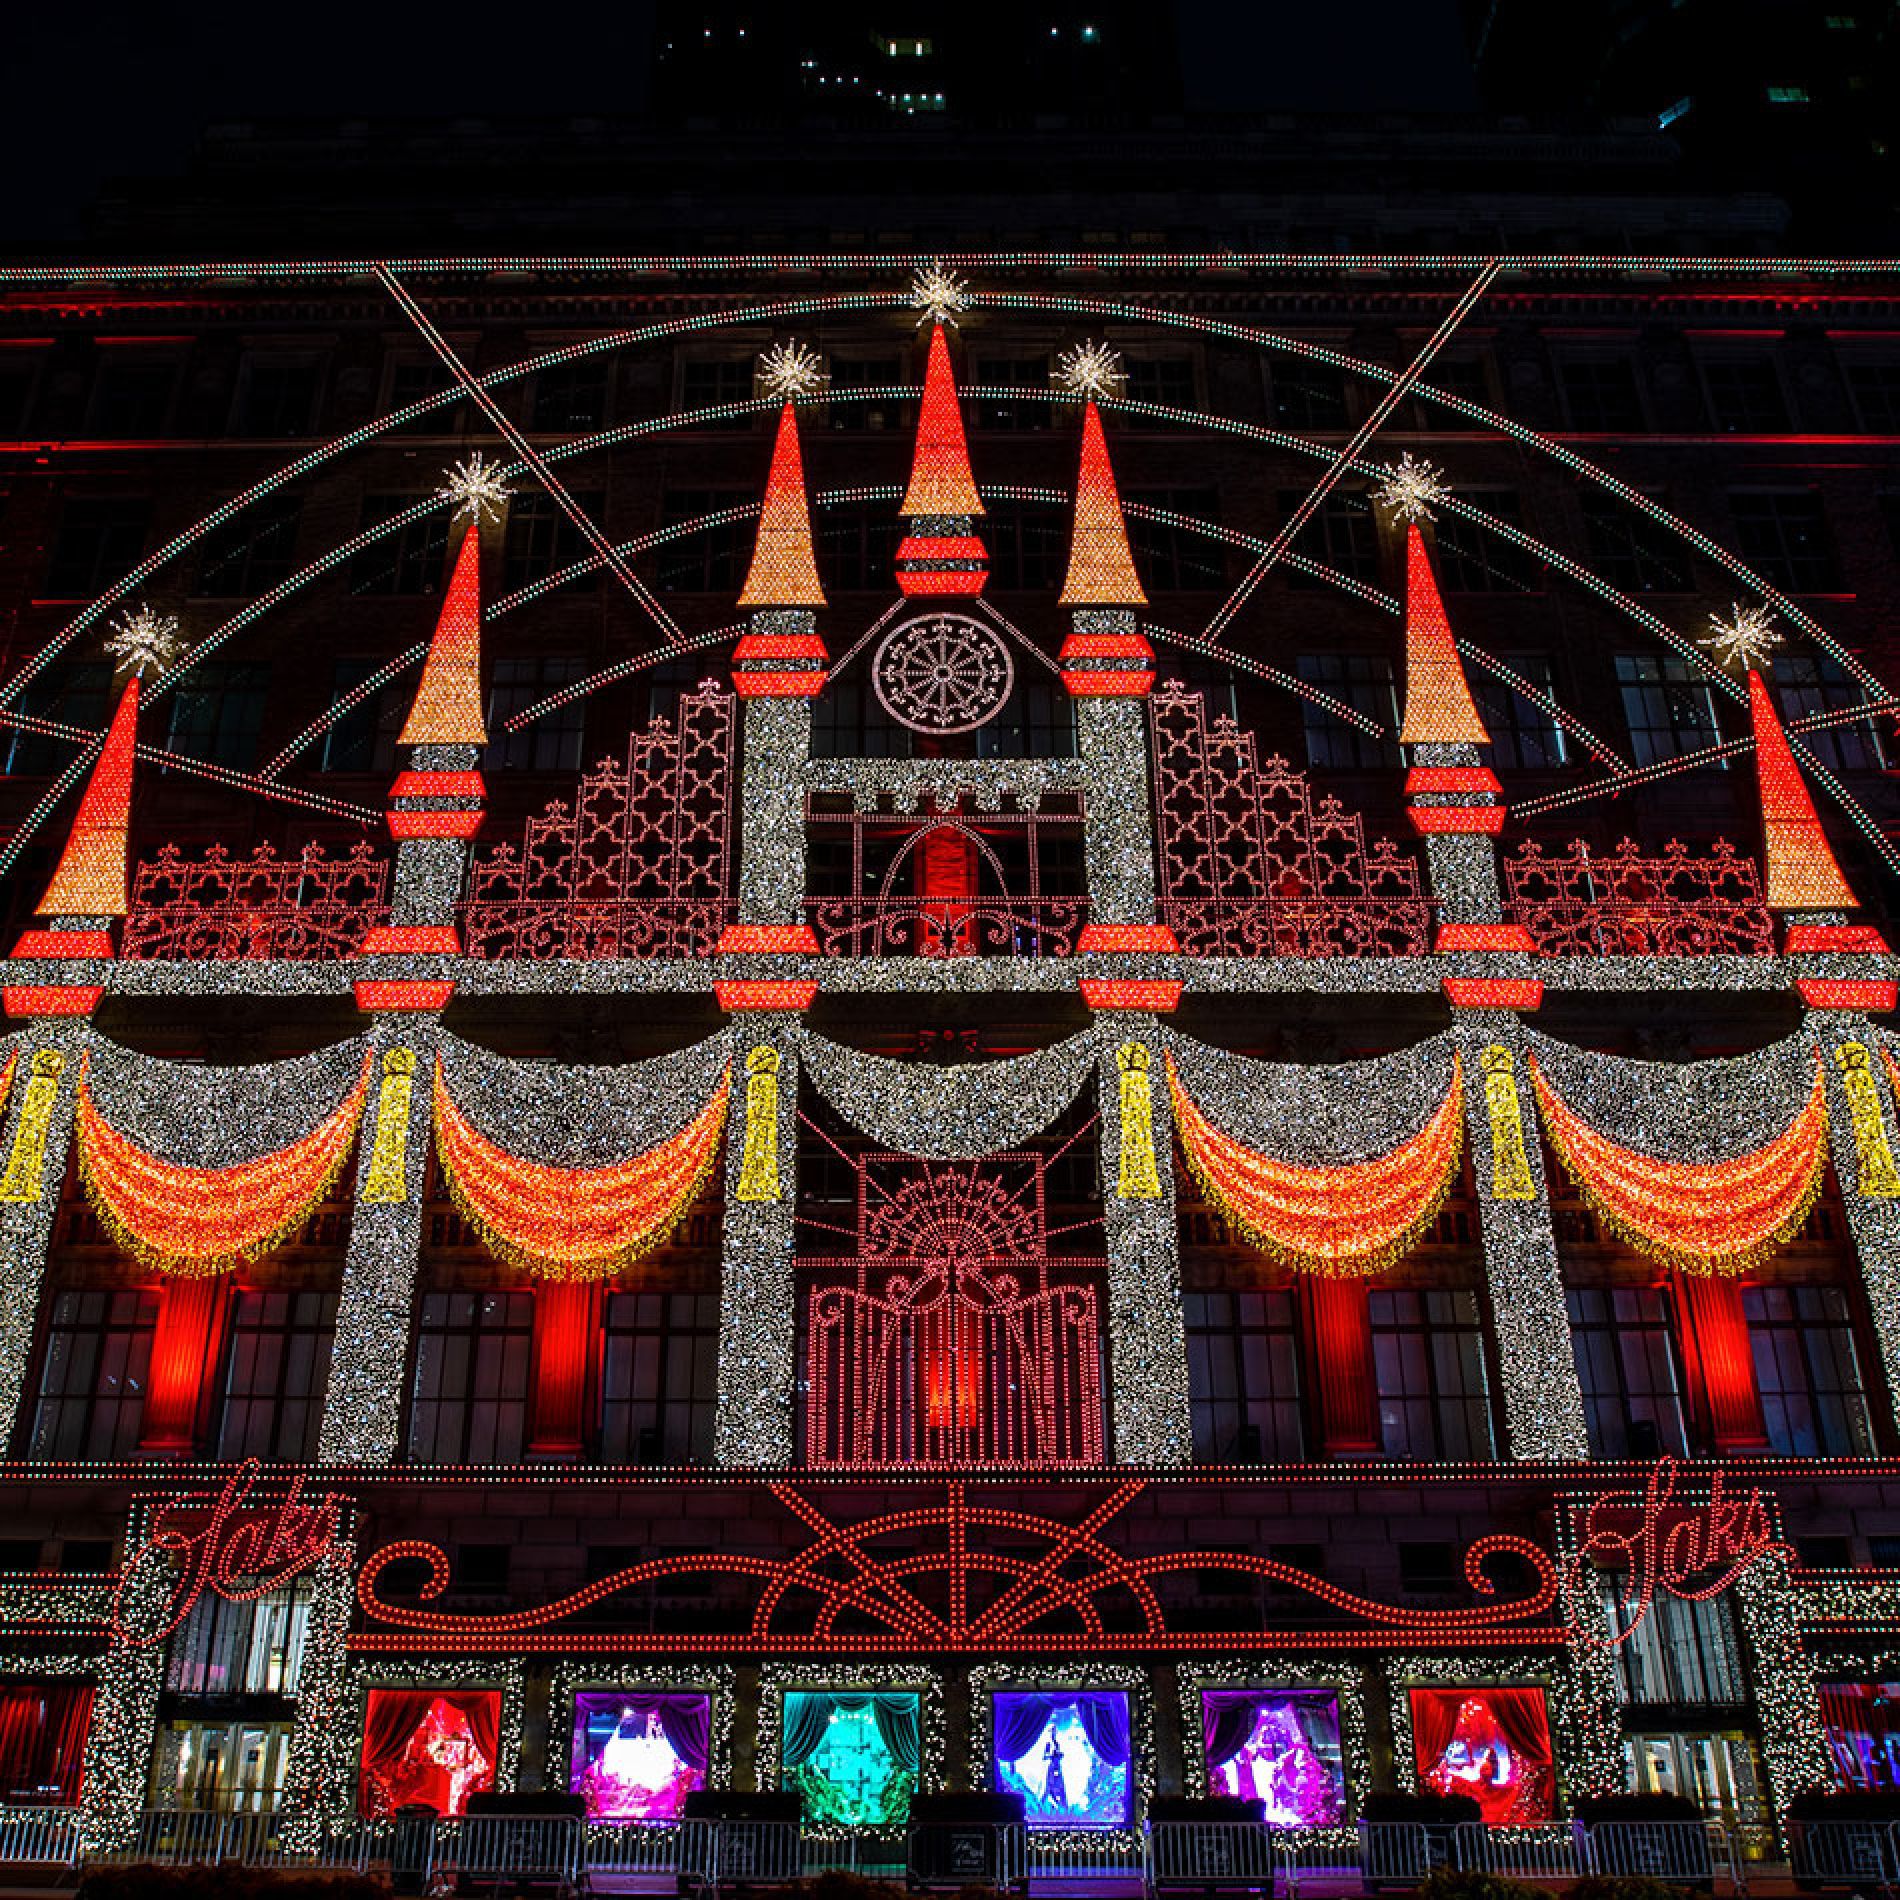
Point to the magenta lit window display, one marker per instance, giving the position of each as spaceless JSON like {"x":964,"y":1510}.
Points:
{"x":638,"y":1754}
{"x":1066,"y":1752}
{"x":1278,"y":1747}
{"x":1492,"y":1744}
{"x":1863,"y":1733}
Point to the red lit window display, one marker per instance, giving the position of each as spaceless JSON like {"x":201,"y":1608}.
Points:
{"x":1863,"y":1733}
{"x":1492,"y":1744}
{"x":638,"y":1755}
{"x":428,"y":1747}
{"x":1279,"y":1748}
{"x":43,"y":1741}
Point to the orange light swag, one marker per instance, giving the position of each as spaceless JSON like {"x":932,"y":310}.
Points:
{"x":195,"y":1222}
{"x":1703,"y":1217}
{"x":575,"y":1223}
{"x":1352,"y":1220}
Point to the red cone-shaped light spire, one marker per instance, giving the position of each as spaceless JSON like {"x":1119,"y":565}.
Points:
{"x":783,"y":571}
{"x":940,"y":479}
{"x":447,"y":709}
{"x":1101,"y":568}
{"x":90,"y":879}
{"x":1802,"y":872}
{"x":1438,"y":704}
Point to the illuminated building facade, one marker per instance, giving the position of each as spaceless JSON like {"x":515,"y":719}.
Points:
{"x":880,"y":1066}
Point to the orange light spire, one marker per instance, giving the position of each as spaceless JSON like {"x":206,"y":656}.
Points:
{"x":447,"y":709}
{"x":1438,"y":704}
{"x":90,"y":879}
{"x":1802,"y":873}
{"x":940,"y":479}
{"x":783,"y":571}
{"x":1101,"y":568}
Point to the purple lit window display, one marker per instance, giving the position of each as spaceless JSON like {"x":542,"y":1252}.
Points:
{"x":638,"y":1755}
{"x":1862,"y":1720}
{"x":1066,"y":1752}
{"x":1279,"y":1747}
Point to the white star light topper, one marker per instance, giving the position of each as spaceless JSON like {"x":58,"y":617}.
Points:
{"x":940,"y":294}
{"x":1090,"y":370}
{"x":788,"y":371}
{"x":1411,"y":488}
{"x":1745,"y":639}
{"x":475,"y":486}
{"x":142,"y":639}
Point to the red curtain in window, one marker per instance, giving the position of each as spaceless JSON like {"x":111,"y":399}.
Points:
{"x":43,"y":1730}
{"x":946,"y":869}
{"x":1338,"y":1316}
{"x":1721,"y":1360}
{"x":1492,"y":1744}
{"x":566,"y":1346}
{"x":428,"y":1747}
{"x":185,"y":1349}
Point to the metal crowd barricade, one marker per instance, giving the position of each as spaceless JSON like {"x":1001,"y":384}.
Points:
{"x":1845,"y":1853}
{"x":1318,"y":1861}
{"x":39,"y":1837}
{"x":947,"y":1856}
{"x":171,"y":1837}
{"x":1681,"y":1853}
{"x":1519,"y":1853}
{"x":512,"y":1847}
{"x":720,"y":1853}
{"x":1069,"y":1859}
{"x":1209,"y":1857}
{"x":1402,"y":1853}
{"x":634,"y":1848}
{"x":289,"y":1844}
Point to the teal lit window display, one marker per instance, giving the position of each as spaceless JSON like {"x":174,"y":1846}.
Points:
{"x":853,"y":1756}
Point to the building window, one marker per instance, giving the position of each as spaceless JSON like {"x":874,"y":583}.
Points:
{"x":254,"y":1647}
{"x":92,"y":1380}
{"x":1428,"y":1365}
{"x":406,"y":560}
{"x":132,"y":398}
{"x":540,"y":539}
{"x":1633,"y":552}
{"x":222,"y":1767}
{"x":1667,"y":706}
{"x":100,"y":537}
{"x":19,"y":371}
{"x":1165,"y":381}
{"x":1782,"y":533}
{"x":1684,"y":1650}
{"x":252,"y":551}
{"x":364,"y":738}
{"x":276,"y":397}
{"x":415,"y":381}
{"x":1717,"y":1771}
{"x":1457,"y":376}
{"x":848,"y":722}
{"x":276,"y":1372}
{"x":1807,"y":684}
{"x":1745,"y":394}
{"x":850,"y":374}
{"x":218,"y":712}
{"x":1340,"y":534}
{"x":1876,"y":390}
{"x":1601,"y":395}
{"x":659,"y":1378}
{"x":708,"y":560}
{"x":1037,"y":721}
{"x":471,"y":1386}
{"x":1308,"y":394}
{"x":570,"y":398}
{"x":70,"y":693}
{"x":1244,"y":1376}
{"x":706,"y":385}
{"x":1028,"y":544}
{"x":1030,"y":374}
{"x":551,"y":743}
{"x":1626,"y":1360}
{"x":1522,"y":732}
{"x":1170,"y":558}
{"x":1812,"y":1402}
{"x":1474,"y":557}
{"x":1364,"y":682}
{"x":857,"y":551}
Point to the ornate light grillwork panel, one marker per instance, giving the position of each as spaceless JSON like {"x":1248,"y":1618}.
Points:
{"x":952,"y":884}
{"x":1251,"y":864}
{"x":1628,"y":905}
{"x":637,"y":864}
{"x":952,"y":1337}
{"x":299,"y":908}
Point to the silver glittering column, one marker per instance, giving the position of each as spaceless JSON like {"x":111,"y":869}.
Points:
{"x":1794,"y":1748}
{"x":1147,"y":1332}
{"x":757,"y":1372}
{"x":119,"y":1744}
{"x":1543,"y":1397}
{"x":1118,"y":842}
{"x":35,"y":1141}
{"x":313,"y":1789}
{"x":1463,"y":866}
{"x":1862,"y":1134}
{"x":776,"y":738}
{"x":362,"y":1409}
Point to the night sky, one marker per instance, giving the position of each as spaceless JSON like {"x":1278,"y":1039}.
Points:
{"x":99,"y":92}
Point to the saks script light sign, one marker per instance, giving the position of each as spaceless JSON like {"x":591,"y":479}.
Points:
{"x":224,"y":1543}
{"x":1659,"y":1542}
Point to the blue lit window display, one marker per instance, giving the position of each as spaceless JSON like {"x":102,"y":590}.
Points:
{"x":853,"y":1757}
{"x":1066,"y":1752}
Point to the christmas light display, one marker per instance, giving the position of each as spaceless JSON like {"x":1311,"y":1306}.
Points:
{"x":784,"y":572}
{"x":638,"y":1754}
{"x":89,"y":880}
{"x":1492,"y":1744}
{"x":475,"y":487}
{"x":26,"y":1161}
{"x":1101,"y":568}
{"x":1279,"y":1748}
{"x":1438,"y":705}
{"x":1412,"y":489}
{"x":432,"y":1750}
{"x":1326,"y":1698}
{"x":855,"y":1745}
{"x":939,"y":294}
{"x":1802,"y":874}
{"x":142,"y":639}
{"x":447,"y":709}
{"x":1876,"y":1178}
{"x":1067,"y":1752}
{"x":788,"y":371}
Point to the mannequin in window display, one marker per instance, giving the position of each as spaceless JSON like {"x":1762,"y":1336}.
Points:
{"x":637,"y":1775}
{"x":1477,"y":1761}
{"x":442,"y":1764}
{"x":1061,"y":1777}
{"x":1279,"y":1766}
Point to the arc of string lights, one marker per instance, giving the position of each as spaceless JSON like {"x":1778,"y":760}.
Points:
{"x":1347,"y":456}
{"x":345,"y":704}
